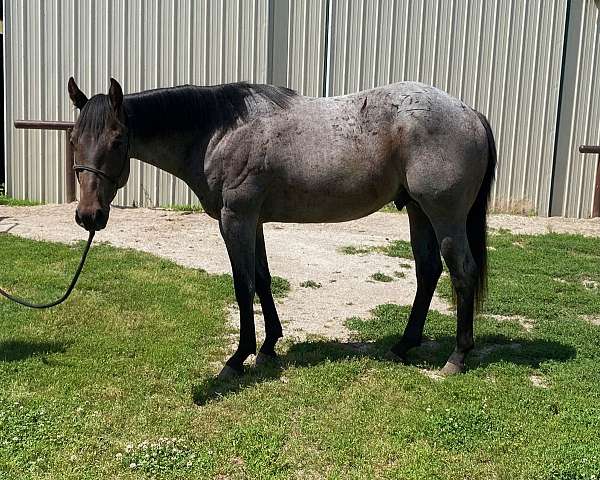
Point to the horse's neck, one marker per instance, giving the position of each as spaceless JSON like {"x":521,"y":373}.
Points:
{"x":167,"y":152}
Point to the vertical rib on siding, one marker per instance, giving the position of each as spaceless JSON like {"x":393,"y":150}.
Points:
{"x":503,"y":57}
{"x":142,"y":43}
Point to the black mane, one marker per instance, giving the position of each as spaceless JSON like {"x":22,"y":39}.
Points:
{"x":191,"y":107}
{"x":186,"y":107}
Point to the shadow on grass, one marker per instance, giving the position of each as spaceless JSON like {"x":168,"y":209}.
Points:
{"x":15,"y":350}
{"x":432,"y":354}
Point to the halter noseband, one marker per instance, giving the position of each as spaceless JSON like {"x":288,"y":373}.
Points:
{"x":84,"y":168}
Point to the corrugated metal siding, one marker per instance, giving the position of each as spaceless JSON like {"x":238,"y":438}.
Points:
{"x":144,"y":44}
{"x":306,"y":46}
{"x":585,"y":117}
{"x":502,"y":57}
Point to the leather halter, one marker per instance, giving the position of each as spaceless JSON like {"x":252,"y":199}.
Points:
{"x":115,"y":181}
{"x":84,"y":168}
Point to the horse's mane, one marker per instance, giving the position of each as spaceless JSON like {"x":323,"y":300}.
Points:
{"x":186,"y":107}
{"x":191,"y":107}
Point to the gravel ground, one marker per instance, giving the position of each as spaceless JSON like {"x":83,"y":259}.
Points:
{"x":297,"y":252}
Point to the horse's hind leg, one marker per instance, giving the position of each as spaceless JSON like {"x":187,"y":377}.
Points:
{"x":273,"y":330}
{"x":428,"y":264}
{"x":454,"y":245}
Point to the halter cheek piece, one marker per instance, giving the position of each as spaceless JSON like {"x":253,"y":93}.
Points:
{"x":115,"y":181}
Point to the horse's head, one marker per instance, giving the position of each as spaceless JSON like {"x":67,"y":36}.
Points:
{"x":100,"y":142}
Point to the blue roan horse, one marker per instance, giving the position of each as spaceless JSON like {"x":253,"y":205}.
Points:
{"x":257,"y":153}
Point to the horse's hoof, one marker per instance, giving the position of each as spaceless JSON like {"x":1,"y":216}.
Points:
{"x":394,"y":357}
{"x":452,"y":369}
{"x":266,"y":359}
{"x":228,"y":373}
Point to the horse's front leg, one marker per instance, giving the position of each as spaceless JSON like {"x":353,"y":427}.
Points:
{"x":239,"y":233}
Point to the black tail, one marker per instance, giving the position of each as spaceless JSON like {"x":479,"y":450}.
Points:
{"x":476,"y":219}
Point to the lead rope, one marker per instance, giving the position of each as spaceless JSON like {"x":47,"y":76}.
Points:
{"x":26,"y":303}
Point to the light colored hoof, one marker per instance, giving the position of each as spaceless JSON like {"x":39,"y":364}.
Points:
{"x":264,"y":359}
{"x":228,"y":373}
{"x":451,"y":369}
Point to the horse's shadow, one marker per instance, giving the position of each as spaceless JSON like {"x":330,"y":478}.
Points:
{"x":15,"y":350}
{"x":431,"y":355}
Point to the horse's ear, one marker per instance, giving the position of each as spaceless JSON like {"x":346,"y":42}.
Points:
{"x":115,"y":94}
{"x":77,"y":96}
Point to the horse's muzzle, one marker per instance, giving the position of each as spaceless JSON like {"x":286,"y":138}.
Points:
{"x":91,"y":219}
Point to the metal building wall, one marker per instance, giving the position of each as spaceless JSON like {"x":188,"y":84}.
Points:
{"x":142,"y":43}
{"x":503,"y":57}
{"x":306,"y":46}
{"x":582,"y":117}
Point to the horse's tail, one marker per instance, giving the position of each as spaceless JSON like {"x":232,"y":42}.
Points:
{"x":476,"y":219}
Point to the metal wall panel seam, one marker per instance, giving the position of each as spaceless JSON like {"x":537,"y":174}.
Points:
{"x":545,"y":113}
{"x":573,"y":119}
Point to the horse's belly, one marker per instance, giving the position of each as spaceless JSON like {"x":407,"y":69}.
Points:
{"x":331,"y":192}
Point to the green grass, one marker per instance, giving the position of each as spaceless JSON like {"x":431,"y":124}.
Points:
{"x":122,"y":375}
{"x":397,"y":248}
{"x":381,"y":277}
{"x":352,"y":250}
{"x":279,"y":287}
{"x":14,"y":202}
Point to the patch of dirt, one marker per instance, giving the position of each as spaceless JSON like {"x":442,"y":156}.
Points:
{"x":538,"y":381}
{"x":593,"y":319}
{"x":433,"y":374}
{"x":296,"y":252}
{"x":526,"y":323}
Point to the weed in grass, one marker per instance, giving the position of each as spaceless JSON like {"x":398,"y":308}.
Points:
{"x":164,"y":455}
{"x":399,"y":274}
{"x":352,"y":250}
{"x":310,"y":284}
{"x":381,"y":277}
{"x":280,"y":287}
{"x":398,"y":248}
